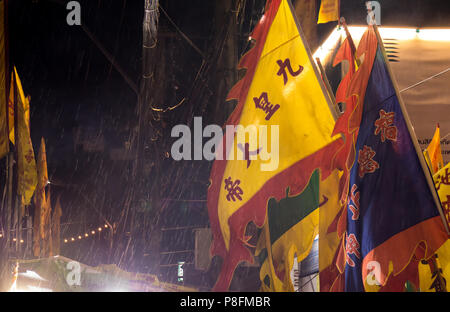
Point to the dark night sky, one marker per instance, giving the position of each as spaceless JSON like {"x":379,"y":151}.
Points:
{"x":72,"y":84}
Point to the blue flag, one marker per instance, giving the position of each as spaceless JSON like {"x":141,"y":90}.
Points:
{"x":390,"y":209}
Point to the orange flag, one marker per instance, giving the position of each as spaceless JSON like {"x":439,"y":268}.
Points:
{"x":328,"y":235}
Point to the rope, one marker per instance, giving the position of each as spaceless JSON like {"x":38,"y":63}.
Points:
{"x":183,"y":34}
{"x":425,"y":80}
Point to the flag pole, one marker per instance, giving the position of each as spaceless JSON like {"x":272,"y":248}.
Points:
{"x":426,"y":172}
{"x":327,"y":84}
{"x":349,"y":37}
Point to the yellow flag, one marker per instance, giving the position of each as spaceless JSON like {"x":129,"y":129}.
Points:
{"x":4,"y":143}
{"x":11,"y":111}
{"x":41,"y":198}
{"x":27,"y":179}
{"x":329,"y":11}
{"x":426,"y":277}
{"x":42,"y":220}
{"x":281,"y":99}
{"x":434,"y":152}
{"x":442,"y":184}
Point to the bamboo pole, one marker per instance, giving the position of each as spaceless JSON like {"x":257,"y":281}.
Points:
{"x":419,"y":153}
{"x":350,"y":39}
{"x":327,"y":85}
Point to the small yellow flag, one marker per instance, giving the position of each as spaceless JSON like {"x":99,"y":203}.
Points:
{"x":434,"y":152}
{"x":329,"y":11}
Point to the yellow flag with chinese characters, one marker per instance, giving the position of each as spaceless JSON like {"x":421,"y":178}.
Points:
{"x":282,"y":100}
{"x":27,"y":174}
{"x":442,"y":184}
{"x":4,"y":142}
{"x":329,"y":11}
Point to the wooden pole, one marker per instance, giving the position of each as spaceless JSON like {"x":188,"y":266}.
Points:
{"x":327,"y":84}
{"x":419,"y":153}
{"x":350,"y":39}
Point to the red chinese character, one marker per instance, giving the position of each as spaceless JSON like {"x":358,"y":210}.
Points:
{"x":442,"y":179}
{"x":385,"y":127}
{"x":365,"y":161}
{"x":263,"y":103}
{"x":29,"y":156}
{"x":446,"y":207}
{"x":352,"y":248}
{"x":355,"y":199}
{"x":282,"y":70}
{"x":233,"y":189}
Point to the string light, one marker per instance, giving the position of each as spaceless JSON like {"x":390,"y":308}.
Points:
{"x":72,"y":239}
{"x":14,"y":239}
{"x":86,"y":234}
